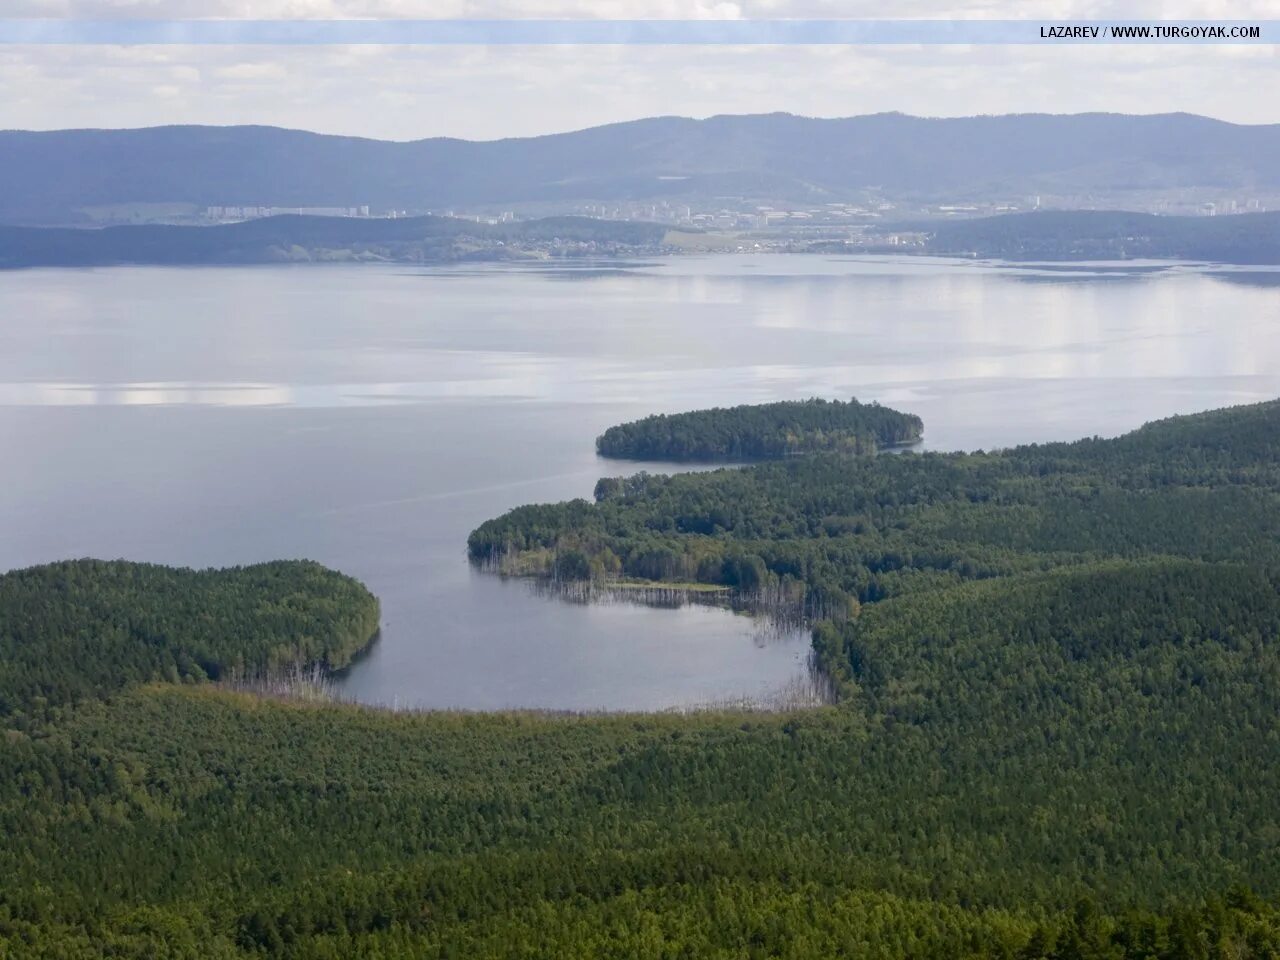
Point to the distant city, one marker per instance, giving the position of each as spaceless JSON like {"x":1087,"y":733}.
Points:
{"x":742,"y":213}
{"x":742,"y":223}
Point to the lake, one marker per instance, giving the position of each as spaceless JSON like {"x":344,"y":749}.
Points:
{"x":369,"y":417}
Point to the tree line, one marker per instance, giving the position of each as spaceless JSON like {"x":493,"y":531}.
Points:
{"x":762,"y":431}
{"x":863,"y":529}
{"x":1056,"y":739}
{"x":81,"y":629}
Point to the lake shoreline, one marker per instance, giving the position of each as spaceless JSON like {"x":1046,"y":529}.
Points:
{"x":122,"y":419}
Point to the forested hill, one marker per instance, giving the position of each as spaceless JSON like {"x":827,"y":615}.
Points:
{"x":1249,"y":238}
{"x":59,"y":176}
{"x":1057,"y":737}
{"x":81,"y":629}
{"x":762,"y":431}
{"x":306,"y":238}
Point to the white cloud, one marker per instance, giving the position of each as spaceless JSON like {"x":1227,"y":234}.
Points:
{"x":251,"y":70}
{"x":486,"y":92}
{"x":641,"y":9}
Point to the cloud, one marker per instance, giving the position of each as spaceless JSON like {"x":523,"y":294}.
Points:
{"x":251,"y":71}
{"x":487,"y":92}
{"x":643,"y":9}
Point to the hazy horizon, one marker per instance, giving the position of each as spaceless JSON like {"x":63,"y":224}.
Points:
{"x":663,"y":116}
{"x":479,"y":92}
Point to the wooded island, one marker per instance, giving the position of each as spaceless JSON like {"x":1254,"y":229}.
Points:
{"x":762,"y":432}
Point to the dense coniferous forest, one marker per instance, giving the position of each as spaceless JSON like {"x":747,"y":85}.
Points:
{"x":1058,"y":737}
{"x":182,"y":821}
{"x":859,"y":529}
{"x":81,"y":629}
{"x":762,"y":431}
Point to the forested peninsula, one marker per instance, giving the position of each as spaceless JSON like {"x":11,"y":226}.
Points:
{"x":294,"y":238}
{"x":1250,"y":238}
{"x":1057,"y":735}
{"x":835,"y":531}
{"x":83,"y":629}
{"x":762,"y":431}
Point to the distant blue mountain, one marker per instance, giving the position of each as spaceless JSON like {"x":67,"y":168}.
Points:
{"x":49,"y":177}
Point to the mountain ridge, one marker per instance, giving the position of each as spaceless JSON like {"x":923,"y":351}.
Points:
{"x":642,"y":120}
{"x":49,"y":177}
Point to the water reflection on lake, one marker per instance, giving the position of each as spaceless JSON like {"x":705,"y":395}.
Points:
{"x":369,"y":417}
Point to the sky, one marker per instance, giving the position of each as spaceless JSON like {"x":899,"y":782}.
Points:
{"x":479,"y":92}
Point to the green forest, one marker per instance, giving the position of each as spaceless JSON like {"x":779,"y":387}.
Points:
{"x":762,"y":431}
{"x":82,"y":629}
{"x":833,"y":532}
{"x":1057,"y":735}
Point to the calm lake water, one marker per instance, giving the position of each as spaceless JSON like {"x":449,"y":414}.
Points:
{"x":369,"y":417}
